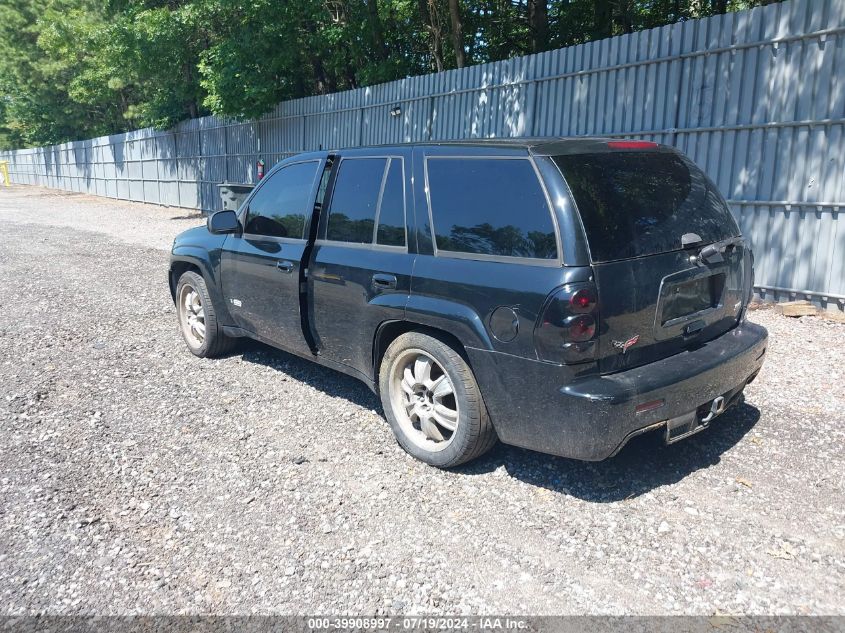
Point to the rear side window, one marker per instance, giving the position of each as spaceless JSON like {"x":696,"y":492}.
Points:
{"x":640,"y":203}
{"x":278,"y":208}
{"x":489,"y":206}
{"x":352,"y":214}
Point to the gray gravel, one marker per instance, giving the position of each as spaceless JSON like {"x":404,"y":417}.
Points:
{"x":135,"y":478}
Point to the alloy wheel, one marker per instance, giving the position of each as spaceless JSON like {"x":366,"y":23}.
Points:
{"x":192,"y":315}
{"x":423,"y":399}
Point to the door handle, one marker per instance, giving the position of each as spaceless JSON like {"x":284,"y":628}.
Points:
{"x":382,"y":281}
{"x":285,"y":266}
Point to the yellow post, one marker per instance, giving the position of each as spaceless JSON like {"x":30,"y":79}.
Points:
{"x":4,"y":169}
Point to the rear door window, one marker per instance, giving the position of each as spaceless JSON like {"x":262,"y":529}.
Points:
{"x":490,"y":207}
{"x":634,"y":204}
{"x":391,"y":214}
{"x":278,"y":208}
{"x":354,"y":201}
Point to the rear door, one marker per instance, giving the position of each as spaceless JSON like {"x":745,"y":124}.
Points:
{"x":360,"y":269}
{"x":261,"y":267}
{"x":648,"y":213}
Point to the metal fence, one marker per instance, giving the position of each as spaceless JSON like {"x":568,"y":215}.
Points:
{"x":757,"y":98}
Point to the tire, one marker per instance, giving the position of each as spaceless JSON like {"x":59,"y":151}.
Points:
{"x":439,"y":392}
{"x":198,"y":318}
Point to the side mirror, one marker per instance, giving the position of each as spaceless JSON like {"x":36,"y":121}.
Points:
{"x":223,"y":222}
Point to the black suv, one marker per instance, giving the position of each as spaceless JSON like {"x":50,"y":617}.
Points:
{"x":562,"y":295}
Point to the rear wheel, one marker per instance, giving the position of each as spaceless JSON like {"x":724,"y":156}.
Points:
{"x":198,"y":318}
{"x":432,"y":401}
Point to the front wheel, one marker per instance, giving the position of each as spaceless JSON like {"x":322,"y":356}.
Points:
{"x":432,"y":401}
{"x":198,"y":318}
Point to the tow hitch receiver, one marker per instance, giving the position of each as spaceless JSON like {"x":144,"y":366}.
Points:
{"x":694,"y":421}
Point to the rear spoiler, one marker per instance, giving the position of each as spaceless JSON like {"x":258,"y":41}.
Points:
{"x":598,"y":146}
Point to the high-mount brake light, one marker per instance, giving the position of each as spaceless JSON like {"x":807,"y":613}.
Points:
{"x":631,"y":145}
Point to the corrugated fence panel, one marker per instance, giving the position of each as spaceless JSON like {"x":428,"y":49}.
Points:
{"x":241,"y":151}
{"x":757,"y":98}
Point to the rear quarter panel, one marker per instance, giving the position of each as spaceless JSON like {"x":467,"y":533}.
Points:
{"x":461,"y":294}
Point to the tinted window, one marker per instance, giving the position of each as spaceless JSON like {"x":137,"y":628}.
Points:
{"x":490,"y":207}
{"x":640,"y":203}
{"x":353,"y":207}
{"x":391,"y":215}
{"x":324,"y":184}
{"x":278,"y":208}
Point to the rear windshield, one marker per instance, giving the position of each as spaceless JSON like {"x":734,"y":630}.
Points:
{"x":641,"y":203}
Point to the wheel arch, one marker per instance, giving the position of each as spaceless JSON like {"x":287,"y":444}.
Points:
{"x":198,"y":260}
{"x":389,"y":331}
{"x":177,"y":269}
{"x":456,"y":324}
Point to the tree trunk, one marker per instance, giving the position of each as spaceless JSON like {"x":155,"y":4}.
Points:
{"x":602,"y":19}
{"x":376,"y":30}
{"x":676,"y":10}
{"x":457,"y":33}
{"x":538,"y":24}
{"x":428,"y":11}
{"x":623,"y":16}
{"x":325,"y":83}
{"x":191,"y":102}
{"x":351,"y":77}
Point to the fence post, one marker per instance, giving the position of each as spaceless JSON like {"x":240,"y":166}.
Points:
{"x":225,"y":129}
{"x":176,"y":165}
{"x":158,"y":171}
{"x":679,"y":87}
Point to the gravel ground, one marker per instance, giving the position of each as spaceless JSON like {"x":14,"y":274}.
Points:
{"x":135,"y":478}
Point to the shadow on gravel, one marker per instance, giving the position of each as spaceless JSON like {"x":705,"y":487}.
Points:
{"x":329,"y":381}
{"x":55,"y":193}
{"x":644,"y":464}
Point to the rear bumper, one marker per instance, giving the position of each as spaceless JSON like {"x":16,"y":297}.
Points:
{"x":549,"y":409}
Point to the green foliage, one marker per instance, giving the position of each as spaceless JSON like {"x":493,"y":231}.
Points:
{"x":33,"y":86}
{"x":72,"y":69}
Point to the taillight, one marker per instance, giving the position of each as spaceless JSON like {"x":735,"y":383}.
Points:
{"x":581,"y":328}
{"x":583,"y":300}
{"x":566,"y":331}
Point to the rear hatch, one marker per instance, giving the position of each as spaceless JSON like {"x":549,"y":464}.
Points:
{"x":670,"y":267}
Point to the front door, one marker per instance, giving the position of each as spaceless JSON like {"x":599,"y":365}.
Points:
{"x":261,"y":267}
{"x":360,"y":269}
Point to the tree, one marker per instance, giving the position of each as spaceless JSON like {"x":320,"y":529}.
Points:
{"x":538,"y":23}
{"x":154,"y":51}
{"x":72,"y":69}
{"x":431,"y":23}
{"x":377,"y":42}
{"x":602,"y":19}
{"x":34,"y":86}
{"x":457,"y":33}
